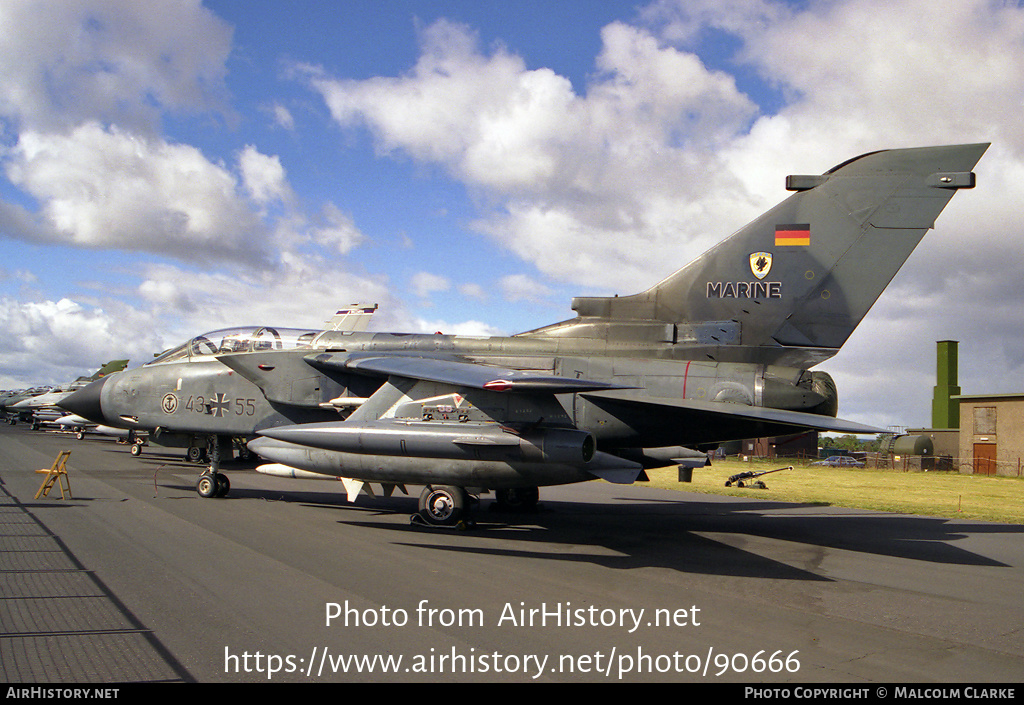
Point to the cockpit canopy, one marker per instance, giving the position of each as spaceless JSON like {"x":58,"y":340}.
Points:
{"x":239,"y":340}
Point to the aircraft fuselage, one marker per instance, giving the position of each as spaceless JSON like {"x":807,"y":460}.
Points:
{"x":206,"y":396}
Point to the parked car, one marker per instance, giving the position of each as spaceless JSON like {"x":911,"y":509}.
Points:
{"x":840,"y":461}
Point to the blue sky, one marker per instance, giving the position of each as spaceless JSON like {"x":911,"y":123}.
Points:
{"x":171,"y":168}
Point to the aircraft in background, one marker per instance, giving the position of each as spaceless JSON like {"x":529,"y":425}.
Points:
{"x":720,"y":350}
{"x":15,"y":396}
{"x":38,"y":406}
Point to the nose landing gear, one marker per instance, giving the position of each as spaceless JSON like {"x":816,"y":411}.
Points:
{"x":213,"y":483}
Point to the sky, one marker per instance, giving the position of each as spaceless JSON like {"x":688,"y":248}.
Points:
{"x":170,"y":168}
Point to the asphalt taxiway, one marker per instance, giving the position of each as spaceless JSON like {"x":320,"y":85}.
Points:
{"x":137,"y":579}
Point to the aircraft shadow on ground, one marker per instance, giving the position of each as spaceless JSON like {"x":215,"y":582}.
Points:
{"x":645,"y":535}
{"x":628,"y":533}
{"x":719,"y":536}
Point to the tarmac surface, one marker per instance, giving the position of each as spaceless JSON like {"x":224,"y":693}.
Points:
{"x":138,"y":579}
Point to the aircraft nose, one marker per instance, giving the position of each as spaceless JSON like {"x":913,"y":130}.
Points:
{"x":86,"y":401}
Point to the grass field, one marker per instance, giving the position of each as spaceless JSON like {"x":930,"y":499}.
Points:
{"x":945,"y":494}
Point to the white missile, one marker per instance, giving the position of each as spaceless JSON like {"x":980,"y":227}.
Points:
{"x":352,"y":487}
{"x":281,"y":470}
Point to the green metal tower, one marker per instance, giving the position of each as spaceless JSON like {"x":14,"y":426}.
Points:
{"x":946,"y":411}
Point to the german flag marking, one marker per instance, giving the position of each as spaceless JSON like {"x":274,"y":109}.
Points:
{"x":793,"y":234}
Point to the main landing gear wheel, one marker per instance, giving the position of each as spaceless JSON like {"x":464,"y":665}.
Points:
{"x":212,"y":485}
{"x":443,"y":505}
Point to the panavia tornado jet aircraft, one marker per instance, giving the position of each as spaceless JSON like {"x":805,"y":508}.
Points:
{"x":720,"y":350}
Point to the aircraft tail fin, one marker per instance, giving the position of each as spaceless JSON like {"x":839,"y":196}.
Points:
{"x":355,"y":318}
{"x":803,"y":274}
{"x":108,"y":368}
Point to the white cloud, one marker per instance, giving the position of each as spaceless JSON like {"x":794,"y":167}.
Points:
{"x":665,"y":155}
{"x":55,"y":341}
{"x":424,"y":284}
{"x":52,"y":342}
{"x":580,"y":175}
{"x":106,"y":188}
{"x":283,"y":117}
{"x":65,"y":63}
{"x":467,"y":328}
{"x":520,"y":287}
{"x":263,"y":176}
{"x":85,"y":88}
{"x":22,"y":275}
{"x":473,"y":291}
{"x":336,"y":231}
{"x":167,"y":291}
{"x":295,"y":294}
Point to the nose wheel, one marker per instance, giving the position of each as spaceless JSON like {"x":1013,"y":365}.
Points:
{"x":212,"y":484}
